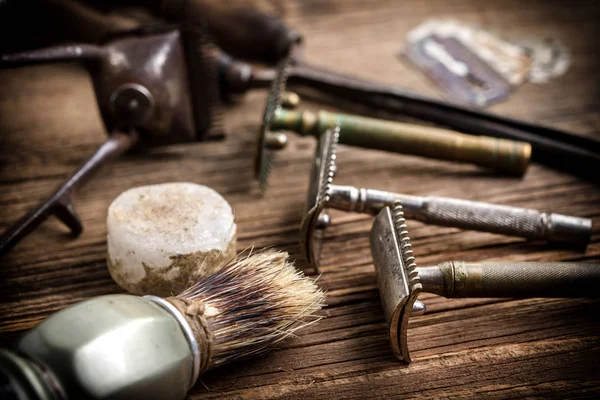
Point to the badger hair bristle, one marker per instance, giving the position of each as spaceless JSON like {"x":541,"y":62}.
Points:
{"x":254,"y":302}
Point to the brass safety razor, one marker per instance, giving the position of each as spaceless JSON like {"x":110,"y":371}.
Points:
{"x":499,"y":154}
{"x":400,"y":280}
{"x":436,"y":210}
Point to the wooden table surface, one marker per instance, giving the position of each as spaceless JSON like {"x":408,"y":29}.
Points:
{"x":470,"y":348}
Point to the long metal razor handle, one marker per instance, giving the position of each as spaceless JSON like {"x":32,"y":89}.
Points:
{"x":466,"y":214}
{"x":508,"y":279}
{"x":499,"y":154}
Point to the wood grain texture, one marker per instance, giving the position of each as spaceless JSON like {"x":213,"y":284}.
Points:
{"x":467,"y":348}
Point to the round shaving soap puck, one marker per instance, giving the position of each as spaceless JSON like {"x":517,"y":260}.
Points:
{"x":162,"y":238}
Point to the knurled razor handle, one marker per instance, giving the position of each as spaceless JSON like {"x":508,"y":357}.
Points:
{"x":59,"y":203}
{"x":466,"y":214}
{"x":499,"y":154}
{"x":512,"y":279}
{"x":512,"y":221}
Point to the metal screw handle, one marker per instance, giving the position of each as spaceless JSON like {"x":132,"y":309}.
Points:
{"x":512,"y":279}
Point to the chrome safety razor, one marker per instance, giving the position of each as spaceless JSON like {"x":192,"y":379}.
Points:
{"x":464,"y":214}
{"x":400,"y":280}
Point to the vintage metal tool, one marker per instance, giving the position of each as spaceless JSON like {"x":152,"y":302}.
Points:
{"x":400,"y":281}
{"x":503,"y":155}
{"x":465,"y":214}
{"x":153,"y":88}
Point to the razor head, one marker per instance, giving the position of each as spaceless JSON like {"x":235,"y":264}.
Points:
{"x":321,"y":179}
{"x":263,"y":162}
{"x":396,"y":270}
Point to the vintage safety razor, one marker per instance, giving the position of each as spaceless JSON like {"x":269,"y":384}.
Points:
{"x":555,"y":148}
{"x":153,"y":87}
{"x":464,"y":214}
{"x":499,"y":154}
{"x":400,"y":280}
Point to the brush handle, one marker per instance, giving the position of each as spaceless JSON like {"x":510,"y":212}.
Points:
{"x":466,"y":214}
{"x":108,"y":347}
{"x":500,"y":154}
{"x":511,"y":279}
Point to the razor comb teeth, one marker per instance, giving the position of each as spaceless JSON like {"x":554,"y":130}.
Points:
{"x":267,"y":161}
{"x":405,"y":245}
{"x":265,"y":157}
{"x":330,"y":163}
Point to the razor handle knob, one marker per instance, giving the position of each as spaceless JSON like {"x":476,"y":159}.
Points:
{"x":512,"y":279}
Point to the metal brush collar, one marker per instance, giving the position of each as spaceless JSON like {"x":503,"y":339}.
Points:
{"x":187,"y":331}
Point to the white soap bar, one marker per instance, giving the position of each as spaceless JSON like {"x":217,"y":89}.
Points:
{"x":163,"y":238}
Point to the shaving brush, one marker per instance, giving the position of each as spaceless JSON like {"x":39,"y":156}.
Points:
{"x":129,"y":347}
